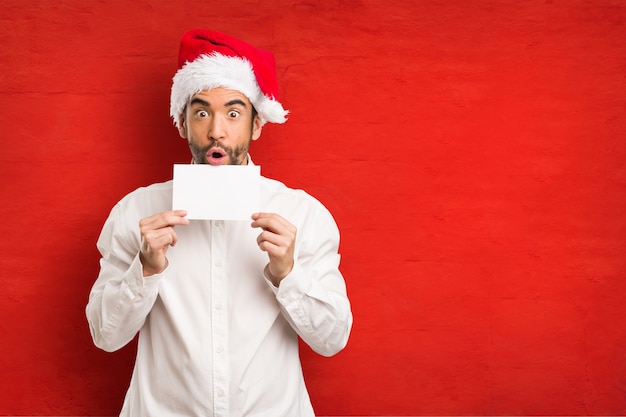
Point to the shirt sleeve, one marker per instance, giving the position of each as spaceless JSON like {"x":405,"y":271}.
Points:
{"x":121,"y":297}
{"x":313,"y":296}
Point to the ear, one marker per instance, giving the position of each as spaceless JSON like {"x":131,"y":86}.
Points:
{"x":182,"y":126}
{"x":256,"y":128}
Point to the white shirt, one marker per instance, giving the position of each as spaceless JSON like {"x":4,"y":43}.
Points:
{"x":216,"y":338}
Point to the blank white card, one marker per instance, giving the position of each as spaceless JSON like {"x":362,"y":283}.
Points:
{"x":225,"y":192}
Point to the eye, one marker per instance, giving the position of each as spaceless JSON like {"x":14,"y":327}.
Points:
{"x":202,"y":114}
{"x":233,"y":114}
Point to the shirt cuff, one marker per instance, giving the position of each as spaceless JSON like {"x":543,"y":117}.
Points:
{"x":137,"y":283}
{"x":292,"y":287}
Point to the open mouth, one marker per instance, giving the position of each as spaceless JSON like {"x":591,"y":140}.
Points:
{"x":216,"y":156}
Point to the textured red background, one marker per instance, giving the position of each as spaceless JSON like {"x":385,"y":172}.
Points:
{"x":472,"y":153}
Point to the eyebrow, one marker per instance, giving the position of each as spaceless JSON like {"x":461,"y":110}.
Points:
{"x":235,"y":101}
{"x":205,"y":103}
{"x":199,"y":101}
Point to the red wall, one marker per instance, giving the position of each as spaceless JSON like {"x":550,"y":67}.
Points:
{"x":473,"y":153}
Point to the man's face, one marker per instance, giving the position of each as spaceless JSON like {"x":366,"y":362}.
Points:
{"x":219,"y":126}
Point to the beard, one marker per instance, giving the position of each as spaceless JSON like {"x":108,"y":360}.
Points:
{"x":236,"y":155}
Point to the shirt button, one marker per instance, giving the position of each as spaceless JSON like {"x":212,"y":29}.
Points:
{"x":219,"y":223}
{"x":218,"y":263}
{"x":220,"y":392}
{"x":218,"y":307}
{"x":219,"y":349}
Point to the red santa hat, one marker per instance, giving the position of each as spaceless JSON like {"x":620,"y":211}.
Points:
{"x":209,"y":59}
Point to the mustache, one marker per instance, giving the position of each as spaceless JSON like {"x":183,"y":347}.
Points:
{"x":200,"y":153}
{"x":215,"y":145}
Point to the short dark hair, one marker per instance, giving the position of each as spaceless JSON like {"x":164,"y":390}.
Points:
{"x":254,"y":115}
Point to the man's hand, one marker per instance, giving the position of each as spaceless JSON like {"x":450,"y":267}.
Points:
{"x":278,"y":239}
{"x":157,"y":235}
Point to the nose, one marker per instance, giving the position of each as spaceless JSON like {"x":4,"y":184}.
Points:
{"x":217,"y":129}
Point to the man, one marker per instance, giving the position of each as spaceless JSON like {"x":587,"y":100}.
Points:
{"x":219,"y":305}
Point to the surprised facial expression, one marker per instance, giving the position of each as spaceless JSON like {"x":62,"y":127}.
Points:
{"x":219,"y":125}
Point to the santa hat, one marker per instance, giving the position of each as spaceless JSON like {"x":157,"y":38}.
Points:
{"x":209,"y":59}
